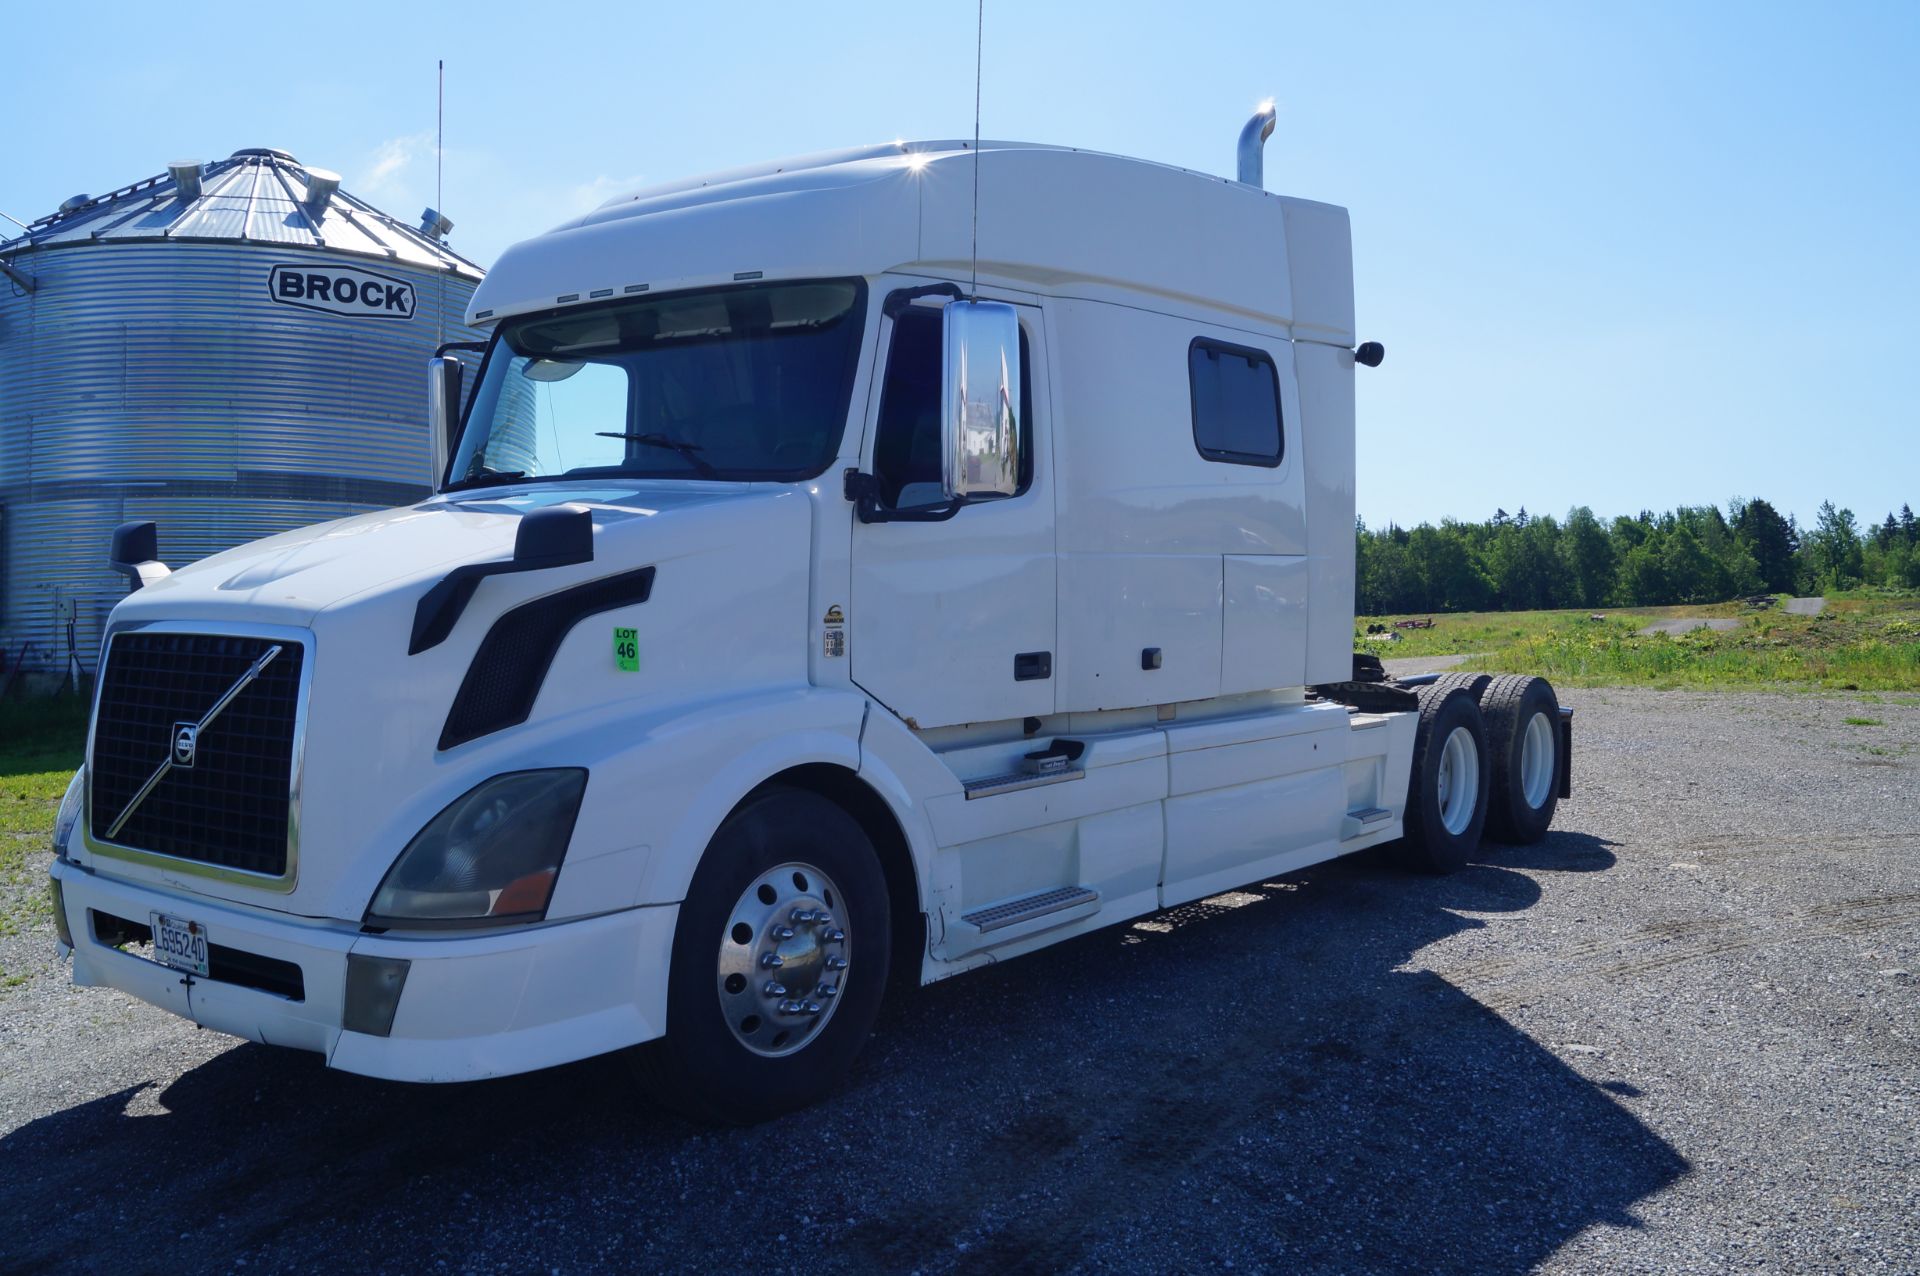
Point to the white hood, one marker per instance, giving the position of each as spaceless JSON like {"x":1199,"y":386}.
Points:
{"x":291,"y":578}
{"x":728,"y":609}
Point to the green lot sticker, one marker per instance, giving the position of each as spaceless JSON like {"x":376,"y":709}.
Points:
{"x":626,"y":650}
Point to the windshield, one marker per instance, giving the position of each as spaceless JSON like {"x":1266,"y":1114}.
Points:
{"x":729,"y":383}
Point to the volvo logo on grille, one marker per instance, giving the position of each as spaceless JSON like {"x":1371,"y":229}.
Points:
{"x":186,"y":737}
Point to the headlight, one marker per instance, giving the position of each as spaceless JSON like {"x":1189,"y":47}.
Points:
{"x":488,"y":859}
{"x":69,"y":811}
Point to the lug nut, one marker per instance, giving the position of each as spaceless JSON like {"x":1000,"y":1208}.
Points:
{"x":827,"y":990}
{"x":836,"y":963}
{"x":811,"y":1007}
{"x":836,"y":936}
{"x":772,"y":961}
{"x":774,"y":989}
{"x":783,"y":932}
{"x":801,"y":916}
{"x":791,"y":1007}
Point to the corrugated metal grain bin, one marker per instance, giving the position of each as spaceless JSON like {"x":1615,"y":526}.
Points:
{"x":232,"y":350}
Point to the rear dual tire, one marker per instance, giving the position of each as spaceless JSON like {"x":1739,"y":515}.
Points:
{"x":1447,"y":790}
{"x":1523,"y":741}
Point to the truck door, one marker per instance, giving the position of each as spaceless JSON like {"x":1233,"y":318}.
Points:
{"x":952,"y":620}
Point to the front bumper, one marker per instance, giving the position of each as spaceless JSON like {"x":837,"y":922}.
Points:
{"x":476,"y":1005}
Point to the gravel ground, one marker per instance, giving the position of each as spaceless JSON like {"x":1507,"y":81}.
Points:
{"x":1682,"y":1035}
{"x":1805,"y":606}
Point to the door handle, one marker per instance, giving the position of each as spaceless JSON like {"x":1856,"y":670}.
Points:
{"x":1029,"y":666}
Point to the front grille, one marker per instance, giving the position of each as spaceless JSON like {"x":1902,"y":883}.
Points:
{"x":230,"y":808}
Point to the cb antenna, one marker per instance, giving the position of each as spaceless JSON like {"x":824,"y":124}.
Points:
{"x":979,"y":34}
{"x":439,"y":168}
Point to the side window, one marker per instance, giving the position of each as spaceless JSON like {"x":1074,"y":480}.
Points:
{"x":906,"y":448}
{"x":1236,"y":403}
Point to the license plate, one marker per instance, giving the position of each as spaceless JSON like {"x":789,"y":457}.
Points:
{"x":179,"y":943}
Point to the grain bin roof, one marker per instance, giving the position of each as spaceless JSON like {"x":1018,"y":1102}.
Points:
{"x":253,"y":196}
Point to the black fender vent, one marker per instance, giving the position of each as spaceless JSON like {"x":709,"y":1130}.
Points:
{"x":511,"y":664}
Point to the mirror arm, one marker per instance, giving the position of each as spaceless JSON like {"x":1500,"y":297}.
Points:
{"x":476,"y":347}
{"x":864,"y":491}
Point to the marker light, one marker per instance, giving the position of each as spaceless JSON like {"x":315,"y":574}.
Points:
{"x":69,"y":812}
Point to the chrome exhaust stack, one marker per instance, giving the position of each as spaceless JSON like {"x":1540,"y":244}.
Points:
{"x":1253,"y":140}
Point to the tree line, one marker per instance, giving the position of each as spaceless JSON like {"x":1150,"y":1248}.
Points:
{"x":1693,"y":554}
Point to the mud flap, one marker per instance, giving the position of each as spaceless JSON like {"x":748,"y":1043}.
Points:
{"x":1563,"y":756}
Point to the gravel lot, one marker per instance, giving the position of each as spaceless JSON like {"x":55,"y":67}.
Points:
{"x":1681,"y":1035}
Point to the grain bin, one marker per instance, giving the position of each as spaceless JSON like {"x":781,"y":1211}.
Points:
{"x":232,"y":350}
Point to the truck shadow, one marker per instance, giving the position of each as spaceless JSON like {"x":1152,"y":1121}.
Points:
{"x":1268,"y":1078}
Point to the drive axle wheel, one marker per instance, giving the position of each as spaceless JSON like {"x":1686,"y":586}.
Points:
{"x":780,"y":956}
{"x":1523,"y":742}
{"x":1447,"y":791}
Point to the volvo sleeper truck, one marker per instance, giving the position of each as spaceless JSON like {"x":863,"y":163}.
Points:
{"x":824,"y":587}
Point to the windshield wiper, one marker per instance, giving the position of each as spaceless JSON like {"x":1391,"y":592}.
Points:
{"x":689,"y":450}
{"x":486,"y":478}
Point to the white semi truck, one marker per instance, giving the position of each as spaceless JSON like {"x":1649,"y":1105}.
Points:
{"x":824,"y":582}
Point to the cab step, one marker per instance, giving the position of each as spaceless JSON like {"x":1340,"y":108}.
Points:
{"x":1014,"y":781}
{"x":1367,"y":819}
{"x":1025,"y":908}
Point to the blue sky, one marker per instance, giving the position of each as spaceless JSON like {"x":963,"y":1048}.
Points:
{"x":1626,"y":255}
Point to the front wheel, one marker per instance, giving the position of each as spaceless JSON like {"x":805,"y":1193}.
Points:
{"x":780,"y":956}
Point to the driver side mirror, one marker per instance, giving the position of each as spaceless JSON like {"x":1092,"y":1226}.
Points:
{"x":980,"y":396}
{"x":443,"y":411}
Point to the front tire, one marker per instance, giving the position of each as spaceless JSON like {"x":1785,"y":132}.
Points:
{"x":780,"y":957}
{"x":1447,"y":791}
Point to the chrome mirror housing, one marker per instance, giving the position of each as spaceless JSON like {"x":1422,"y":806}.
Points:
{"x":980,"y":379}
{"x":443,"y":411}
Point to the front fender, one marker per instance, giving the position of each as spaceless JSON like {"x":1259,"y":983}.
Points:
{"x":653,"y":803}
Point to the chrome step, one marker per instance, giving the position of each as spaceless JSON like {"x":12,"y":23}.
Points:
{"x":1013,"y":781}
{"x":1024,"y":909}
{"x":1367,"y":819}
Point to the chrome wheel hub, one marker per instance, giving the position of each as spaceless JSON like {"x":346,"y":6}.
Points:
{"x":783,"y":959}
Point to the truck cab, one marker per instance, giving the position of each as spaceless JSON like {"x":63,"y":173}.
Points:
{"x":826,"y":586}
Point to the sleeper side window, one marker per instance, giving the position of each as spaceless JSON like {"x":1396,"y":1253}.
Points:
{"x":1236,"y":403}
{"x":906,"y":447}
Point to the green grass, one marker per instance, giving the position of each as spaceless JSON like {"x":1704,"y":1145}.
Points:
{"x":1858,"y":644}
{"x":1863,"y":722}
{"x":41,"y":746}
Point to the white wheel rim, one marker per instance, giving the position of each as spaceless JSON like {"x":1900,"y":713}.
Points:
{"x":1536,"y":761}
{"x":1458,"y":784}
